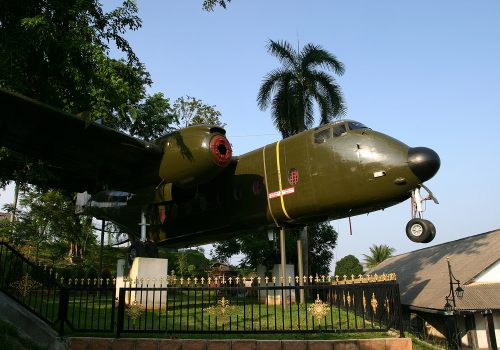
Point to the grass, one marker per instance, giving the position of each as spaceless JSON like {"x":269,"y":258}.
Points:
{"x":186,"y":313}
{"x":98,"y":313}
{"x":419,"y":344}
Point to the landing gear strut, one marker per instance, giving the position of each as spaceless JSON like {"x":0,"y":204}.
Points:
{"x":418,"y":229}
{"x":142,"y":248}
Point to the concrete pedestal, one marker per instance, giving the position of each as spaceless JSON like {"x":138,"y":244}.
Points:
{"x":144,"y":272}
{"x":275,"y":297}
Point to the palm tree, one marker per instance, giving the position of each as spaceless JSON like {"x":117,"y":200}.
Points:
{"x":292,"y":89}
{"x":378,"y":253}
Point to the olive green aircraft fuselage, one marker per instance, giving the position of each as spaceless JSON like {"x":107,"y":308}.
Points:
{"x":334,"y":171}
{"x":187,"y":188}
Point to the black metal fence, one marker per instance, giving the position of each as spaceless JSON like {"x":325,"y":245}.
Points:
{"x":78,"y":305}
{"x":173,"y":305}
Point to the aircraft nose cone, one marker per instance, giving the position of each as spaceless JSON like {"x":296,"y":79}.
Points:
{"x":423,"y":162}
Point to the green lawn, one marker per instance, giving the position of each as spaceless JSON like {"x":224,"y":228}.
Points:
{"x":186,"y":312}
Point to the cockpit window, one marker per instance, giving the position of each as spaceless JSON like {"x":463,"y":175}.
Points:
{"x":321,"y":136}
{"x":339,"y":130}
{"x":356,"y":125}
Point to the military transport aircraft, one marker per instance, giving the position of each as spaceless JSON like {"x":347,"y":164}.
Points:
{"x":187,"y":188}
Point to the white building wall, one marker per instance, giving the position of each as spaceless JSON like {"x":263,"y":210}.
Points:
{"x":482,"y":325}
{"x":489,"y":275}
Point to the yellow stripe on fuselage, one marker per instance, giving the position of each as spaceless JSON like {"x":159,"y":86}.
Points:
{"x":267,"y":186}
{"x":279,"y":179}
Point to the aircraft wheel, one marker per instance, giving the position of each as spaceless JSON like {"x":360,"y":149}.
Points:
{"x":432,"y":229}
{"x":420,"y":230}
{"x":136,"y":249}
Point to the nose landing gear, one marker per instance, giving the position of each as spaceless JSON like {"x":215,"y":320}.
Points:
{"x":418,"y":229}
{"x":142,"y":248}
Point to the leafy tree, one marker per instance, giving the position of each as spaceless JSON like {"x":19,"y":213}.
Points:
{"x":50,"y":217}
{"x":151,"y":118}
{"x":322,"y":240}
{"x":57,"y":52}
{"x":347,"y":266}
{"x":257,"y":249}
{"x":291,"y":90}
{"x":191,"y":111}
{"x":209,"y":5}
{"x":378,"y":253}
{"x":188,"y":262}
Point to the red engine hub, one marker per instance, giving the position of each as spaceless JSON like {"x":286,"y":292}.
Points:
{"x":221,"y":150}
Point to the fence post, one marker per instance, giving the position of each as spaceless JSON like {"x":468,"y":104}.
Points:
{"x":63,"y":308}
{"x":121,"y":312}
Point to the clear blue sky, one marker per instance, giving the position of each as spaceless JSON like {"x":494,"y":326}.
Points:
{"x":426,"y":73}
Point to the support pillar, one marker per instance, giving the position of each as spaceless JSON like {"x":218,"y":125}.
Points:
{"x":301,"y":271}
{"x":283,"y":261}
{"x":305,"y":250}
{"x":103,"y":223}
{"x":283,"y":254}
{"x":492,"y":339}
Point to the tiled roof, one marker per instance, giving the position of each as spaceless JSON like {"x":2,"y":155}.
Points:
{"x":480,"y":296}
{"x":423,"y":274}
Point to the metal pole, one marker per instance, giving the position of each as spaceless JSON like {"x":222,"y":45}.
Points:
{"x":451,"y":284}
{"x":14,"y":202}
{"x":301,"y":271}
{"x":456,"y":333}
{"x":143,"y":226}
{"x":305,"y":250}
{"x":102,"y":252}
{"x":283,"y":259}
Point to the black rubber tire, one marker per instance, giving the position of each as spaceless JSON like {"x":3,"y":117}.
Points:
{"x":432,"y":231}
{"x":420,"y":230}
{"x":136,"y":249}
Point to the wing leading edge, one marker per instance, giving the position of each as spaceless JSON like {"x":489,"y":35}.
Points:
{"x":74,"y":155}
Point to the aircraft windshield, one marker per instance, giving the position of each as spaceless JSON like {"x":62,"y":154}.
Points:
{"x":356,"y":125}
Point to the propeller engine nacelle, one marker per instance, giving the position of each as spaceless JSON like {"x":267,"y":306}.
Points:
{"x":194,"y":155}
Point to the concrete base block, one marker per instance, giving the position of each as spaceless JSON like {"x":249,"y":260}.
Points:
{"x":145,"y":272}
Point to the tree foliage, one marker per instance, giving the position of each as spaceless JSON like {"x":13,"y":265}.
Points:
{"x":292,"y":90}
{"x":152,"y":118}
{"x":378,"y":253}
{"x":257,"y":249}
{"x":188,"y":262}
{"x":189,"y":111}
{"x":209,"y":5}
{"x":56,"y":52}
{"x":49,"y":217}
{"x":347,"y":266}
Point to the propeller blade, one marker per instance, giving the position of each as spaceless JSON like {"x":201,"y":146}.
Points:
{"x":434,"y":199}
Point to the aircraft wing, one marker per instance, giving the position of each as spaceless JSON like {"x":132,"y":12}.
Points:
{"x":73,"y":154}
